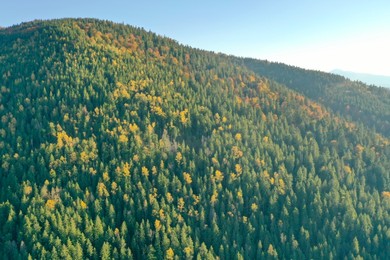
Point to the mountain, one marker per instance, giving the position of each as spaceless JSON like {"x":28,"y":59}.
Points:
{"x":378,"y":80}
{"x":117,"y":143}
{"x":360,"y":103}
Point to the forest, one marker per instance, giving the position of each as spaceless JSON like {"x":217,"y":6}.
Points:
{"x":118,"y":143}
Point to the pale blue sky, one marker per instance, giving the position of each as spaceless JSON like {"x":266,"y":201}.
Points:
{"x":323,"y":35}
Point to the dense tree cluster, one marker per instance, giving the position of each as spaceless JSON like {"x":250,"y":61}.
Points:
{"x":368,"y":105}
{"x":117,"y":143}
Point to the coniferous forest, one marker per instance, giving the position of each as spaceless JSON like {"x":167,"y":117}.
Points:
{"x":117,"y":143}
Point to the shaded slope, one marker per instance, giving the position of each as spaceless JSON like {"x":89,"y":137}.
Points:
{"x":364,"y":104}
{"x":117,"y":143}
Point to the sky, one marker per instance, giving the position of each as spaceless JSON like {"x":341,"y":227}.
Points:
{"x":352,"y":35}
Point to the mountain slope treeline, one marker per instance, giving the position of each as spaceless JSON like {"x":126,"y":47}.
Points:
{"x":117,"y":143}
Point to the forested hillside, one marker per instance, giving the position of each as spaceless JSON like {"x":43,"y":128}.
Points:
{"x":117,"y":143}
{"x":368,"y":105}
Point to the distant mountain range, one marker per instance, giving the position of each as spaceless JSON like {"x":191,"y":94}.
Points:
{"x":377,"y":80}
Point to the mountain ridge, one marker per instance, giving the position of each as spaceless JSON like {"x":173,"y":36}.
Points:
{"x":356,"y":101}
{"x":118,"y":143}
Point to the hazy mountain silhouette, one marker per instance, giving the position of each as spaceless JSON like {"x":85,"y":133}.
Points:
{"x":377,"y":80}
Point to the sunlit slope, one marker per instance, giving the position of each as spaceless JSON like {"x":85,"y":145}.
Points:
{"x":118,"y":143}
